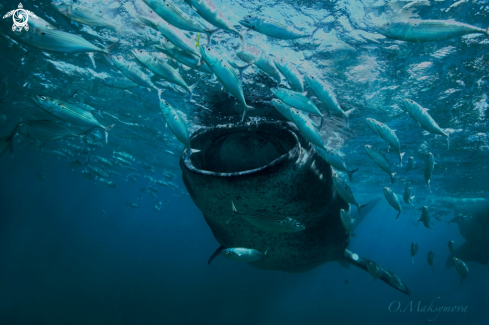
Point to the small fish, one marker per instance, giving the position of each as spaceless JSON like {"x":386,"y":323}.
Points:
{"x":381,"y":160}
{"x":326,"y":95}
{"x":191,"y":60}
{"x":76,"y":163}
{"x":407,"y":194}
{"x":269,"y":221}
{"x":133,"y":205}
{"x":102,"y":160}
{"x":226,"y":75}
{"x":259,"y":58}
{"x":170,"y":12}
{"x":273,"y":28}
{"x":451,"y":246}
{"x":162,"y":70}
{"x":345,"y":193}
{"x":290,"y":73}
{"x":431,"y":259}
{"x":283,"y":108}
{"x":425,"y":217}
{"x":423,"y":118}
{"x":170,"y":32}
{"x":462,"y":269}
{"x":120,"y":83}
{"x":209,"y":11}
{"x":410,"y":164}
{"x":392,"y":199}
{"x":97,"y":171}
{"x":133,"y":72}
{"x":69,"y":113}
{"x":374,"y":269}
{"x":84,"y":15}
{"x":307,"y":128}
{"x":347,"y":220}
{"x":387,"y":134}
{"x":55,"y":40}
{"x":335,"y":160}
{"x":429,"y":166}
{"x":48,"y":130}
{"x":176,"y":124}
{"x":107,"y":182}
{"x":87,"y":174}
{"x":157,"y":207}
{"x":416,"y":30}
{"x":296,"y":100}
{"x":414,"y":250}
{"x":239,"y":254}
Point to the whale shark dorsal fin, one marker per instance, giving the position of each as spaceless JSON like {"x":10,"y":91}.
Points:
{"x":215,"y":254}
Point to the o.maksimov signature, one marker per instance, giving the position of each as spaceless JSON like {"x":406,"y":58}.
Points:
{"x":419,"y":307}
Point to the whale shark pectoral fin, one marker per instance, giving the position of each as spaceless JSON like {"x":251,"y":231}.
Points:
{"x":386,"y":276}
{"x":470,"y":251}
{"x":215,"y":254}
{"x":365,"y":211}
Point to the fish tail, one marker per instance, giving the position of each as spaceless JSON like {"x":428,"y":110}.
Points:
{"x":398,"y":215}
{"x":448,"y":141}
{"x":351,"y":172}
{"x":210,"y":33}
{"x":321,"y":124}
{"x":119,"y":32}
{"x":191,"y":90}
{"x":400,"y":157}
{"x":347,"y":117}
{"x":241,"y":70}
{"x":242,"y":38}
{"x":360,"y":208}
{"x":392,"y":177}
{"x":108,"y":49}
{"x":314,"y":31}
{"x":107,"y":130}
{"x":247,"y":108}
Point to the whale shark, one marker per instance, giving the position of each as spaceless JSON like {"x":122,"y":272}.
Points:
{"x":269,"y":170}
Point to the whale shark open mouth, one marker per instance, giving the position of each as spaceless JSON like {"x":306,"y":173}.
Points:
{"x":270,"y":168}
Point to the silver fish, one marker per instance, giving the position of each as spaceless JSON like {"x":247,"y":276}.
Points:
{"x":296,"y":100}
{"x":226,"y":75}
{"x":451,"y":246}
{"x":48,"y":130}
{"x":290,"y":73}
{"x":133,"y":205}
{"x":410,"y":164}
{"x":420,"y":114}
{"x":425,"y":217}
{"x":407,"y":194}
{"x":269,"y":221}
{"x":381,"y":160}
{"x":170,"y":32}
{"x":431,"y":259}
{"x":170,"y":12}
{"x":306,"y":127}
{"x":85,"y":16}
{"x":259,"y":58}
{"x":240,"y":254}
{"x":58,"y":41}
{"x":120,"y":83}
{"x":283,"y":108}
{"x":387,"y":134}
{"x":392,"y":199}
{"x":429,"y":166}
{"x":347,"y":220}
{"x":176,"y":124}
{"x":69,"y":113}
{"x":335,"y":161}
{"x":428,"y":30}
{"x":191,"y":60}
{"x":414,"y":250}
{"x":374,"y":269}
{"x":162,"y":70}
{"x":273,"y":28}
{"x":107,"y":182}
{"x":208,"y":10}
{"x":133,"y":72}
{"x":326,"y":95}
{"x":345,"y":193}
{"x":462,"y":269}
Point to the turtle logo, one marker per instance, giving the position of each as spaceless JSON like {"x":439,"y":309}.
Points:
{"x":20,"y":17}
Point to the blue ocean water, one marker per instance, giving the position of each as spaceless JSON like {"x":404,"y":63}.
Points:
{"x":74,"y":252}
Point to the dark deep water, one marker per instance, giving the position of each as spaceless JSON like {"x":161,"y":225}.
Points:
{"x":74,"y":252}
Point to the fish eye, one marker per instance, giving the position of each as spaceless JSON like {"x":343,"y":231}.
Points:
{"x":167,"y":5}
{"x":140,"y":51}
{"x":249,"y":16}
{"x":298,"y":224}
{"x":280,"y":222}
{"x":43,"y":98}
